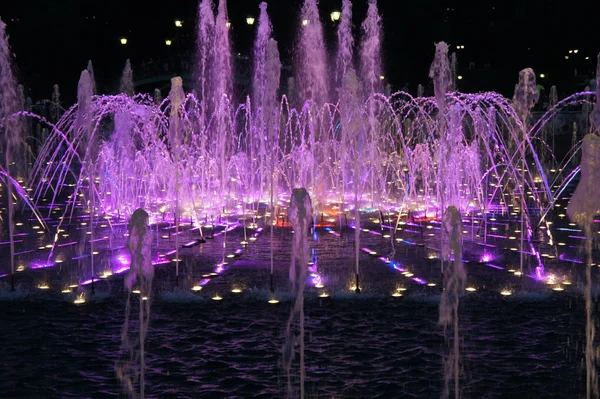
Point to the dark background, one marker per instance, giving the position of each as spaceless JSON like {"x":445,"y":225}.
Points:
{"x":53,"y":39}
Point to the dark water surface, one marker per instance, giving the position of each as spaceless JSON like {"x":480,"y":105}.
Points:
{"x":524,"y":346}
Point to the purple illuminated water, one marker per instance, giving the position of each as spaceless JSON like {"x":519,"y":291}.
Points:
{"x":374,"y":167}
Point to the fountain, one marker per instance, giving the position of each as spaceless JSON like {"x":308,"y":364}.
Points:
{"x":140,"y":274}
{"x":454,"y":288}
{"x":582,"y":209}
{"x":408,"y":176}
{"x":300,"y":215}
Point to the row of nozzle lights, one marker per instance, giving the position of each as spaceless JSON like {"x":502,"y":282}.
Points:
{"x":236,"y":289}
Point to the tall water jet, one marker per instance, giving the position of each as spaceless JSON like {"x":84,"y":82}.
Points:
{"x":441,"y":75}
{"x":90,"y":69}
{"x":552,"y":101}
{"x":222,"y":94}
{"x":267,"y":74}
{"x":596,"y":115}
{"x":574,"y":140}
{"x":525,"y":97}
{"x":454,"y":286}
{"x":140,"y":275}
{"x":126,"y":86}
{"x":370,"y":75}
{"x":449,"y":166}
{"x":157,"y":97}
{"x":453,"y":71}
{"x":222,"y":74}
{"x":176,"y":95}
{"x":351,"y":162}
{"x":55,"y":109}
{"x":300,"y":214}
{"x":312,"y":73}
{"x":10,"y":131}
{"x":205,"y":56}
{"x":83,"y":134}
{"x":583,"y":206}
{"x":370,"y":51}
{"x":261,"y":55}
{"x":85,"y":91}
{"x":345,"y":50}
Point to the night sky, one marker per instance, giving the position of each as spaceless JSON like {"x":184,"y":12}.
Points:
{"x":53,"y":39}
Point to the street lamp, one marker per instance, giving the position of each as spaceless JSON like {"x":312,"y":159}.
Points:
{"x":168,"y":42}
{"x":305,"y":22}
{"x":178,"y":23}
{"x":250,"y":21}
{"x":123,"y":40}
{"x":542,"y":75}
{"x":335,"y":16}
{"x":459,"y":77}
{"x":228,"y":24}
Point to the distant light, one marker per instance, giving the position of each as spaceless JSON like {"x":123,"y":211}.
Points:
{"x":570,"y":51}
{"x":587,"y":58}
{"x":335,"y":16}
{"x":228,"y":24}
{"x":250,"y":21}
{"x":382,"y":77}
{"x":542,"y":75}
{"x":459,"y":77}
{"x":575,"y":51}
{"x":305,"y":22}
{"x":178,"y":23}
{"x":123,"y":40}
{"x":168,"y":42}
{"x":566,"y":57}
